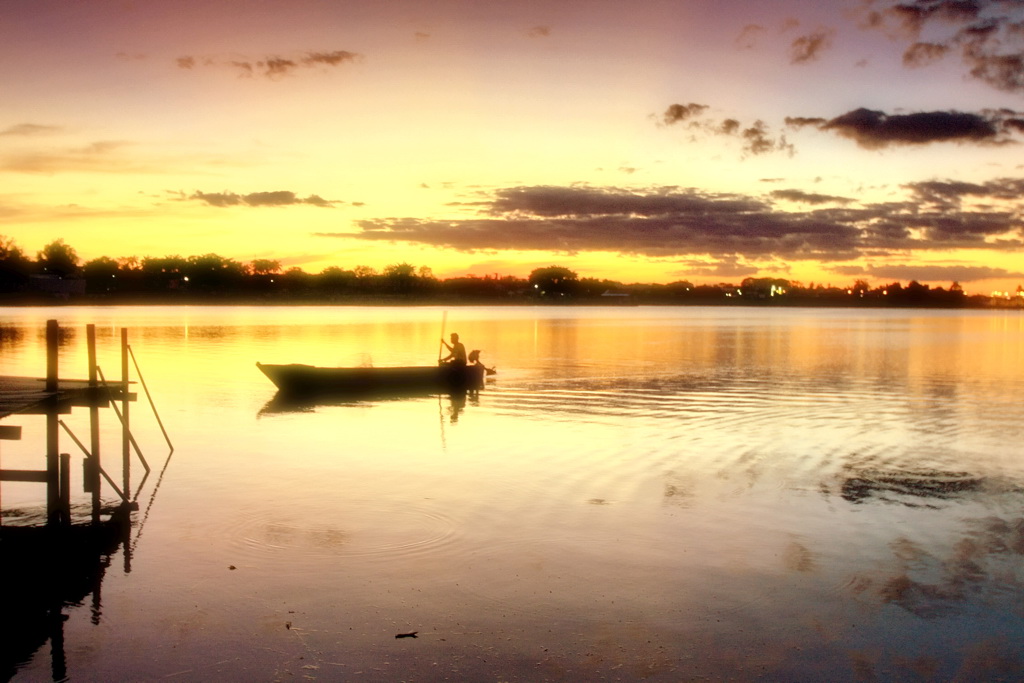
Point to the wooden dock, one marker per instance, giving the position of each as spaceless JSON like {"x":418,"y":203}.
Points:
{"x":29,"y":396}
{"x":52,"y":397}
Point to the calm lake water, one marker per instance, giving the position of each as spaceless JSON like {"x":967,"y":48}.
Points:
{"x":640,"y":493}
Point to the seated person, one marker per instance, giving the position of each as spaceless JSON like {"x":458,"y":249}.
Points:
{"x":474,"y":361}
{"x":456,"y":351}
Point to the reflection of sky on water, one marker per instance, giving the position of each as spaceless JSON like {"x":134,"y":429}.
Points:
{"x":642,"y":492}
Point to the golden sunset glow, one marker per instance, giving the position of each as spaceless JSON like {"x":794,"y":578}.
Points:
{"x":651,"y":141}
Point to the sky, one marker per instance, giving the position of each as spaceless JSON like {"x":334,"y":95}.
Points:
{"x":642,"y":141}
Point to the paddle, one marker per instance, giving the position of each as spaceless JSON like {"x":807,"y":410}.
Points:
{"x":440,"y":347}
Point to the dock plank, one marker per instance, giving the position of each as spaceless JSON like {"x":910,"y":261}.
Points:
{"x":24,"y":395}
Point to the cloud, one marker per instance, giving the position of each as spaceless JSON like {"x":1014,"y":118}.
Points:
{"x":272,"y":67}
{"x":748,"y":37}
{"x":259,"y":199}
{"x":873,"y":129}
{"x":929,"y":273}
{"x":756,"y":139}
{"x":28,"y":130}
{"x":673,"y":222}
{"x":799,"y":196}
{"x":102,"y":156}
{"x":539,"y":32}
{"x":922,"y":54}
{"x":729,"y":267}
{"x":951,"y":194}
{"x":809,"y":47}
{"x":988,"y":36}
{"x":677,"y":113}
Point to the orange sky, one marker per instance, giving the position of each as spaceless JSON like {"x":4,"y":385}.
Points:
{"x":708,"y":140}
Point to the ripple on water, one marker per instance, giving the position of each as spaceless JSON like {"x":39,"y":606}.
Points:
{"x":283,"y":536}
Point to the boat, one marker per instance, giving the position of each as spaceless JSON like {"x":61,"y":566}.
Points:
{"x":298,"y":379}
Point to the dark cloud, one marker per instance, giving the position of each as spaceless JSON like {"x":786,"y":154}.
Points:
{"x":809,"y":47}
{"x":929,"y":273}
{"x":273,"y":67}
{"x":539,"y":32}
{"x":988,"y":35}
{"x":330,"y":58}
{"x":950,"y":194}
{"x":875,"y":129}
{"x":682,"y":112}
{"x":801,"y":121}
{"x":28,"y":130}
{"x":258,"y":199}
{"x":756,"y":139}
{"x":808,"y":197}
{"x":921,"y":54}
{"x":672,"y":222}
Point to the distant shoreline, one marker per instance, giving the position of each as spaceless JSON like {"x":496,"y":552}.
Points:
{"x":972,"y":303}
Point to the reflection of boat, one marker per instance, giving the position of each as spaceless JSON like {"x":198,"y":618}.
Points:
{"x":298,"y":379}
{"x":285,"y":402}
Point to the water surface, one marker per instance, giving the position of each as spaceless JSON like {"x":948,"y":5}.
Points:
{"x":656,"y":493}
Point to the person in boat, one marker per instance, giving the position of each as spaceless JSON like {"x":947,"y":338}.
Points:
{"x":474,"y":361}
{"x":456,"y":351}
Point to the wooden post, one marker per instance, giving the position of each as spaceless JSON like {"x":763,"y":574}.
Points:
{"x":58,"y":660}
{"x":126,"y":453}
{"x":65,"y":488}
{"x":52,"y":333}
{"x":52,"y":487}
{"x":52,"y":424}
{"x":92,"y":468}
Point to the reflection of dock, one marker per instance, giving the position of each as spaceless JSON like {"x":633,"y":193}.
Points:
{"x":51,"y":562}
{"x":46,"y":569}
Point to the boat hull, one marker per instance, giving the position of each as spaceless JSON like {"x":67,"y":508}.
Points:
{"x":299,"y":379}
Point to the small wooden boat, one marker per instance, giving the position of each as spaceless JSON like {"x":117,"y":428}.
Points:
{"x":298,"y":379}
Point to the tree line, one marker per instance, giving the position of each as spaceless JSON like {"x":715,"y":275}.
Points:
{"x":58,"y":274}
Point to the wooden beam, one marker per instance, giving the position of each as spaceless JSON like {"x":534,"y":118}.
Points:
{"x":10,"y":432}
{"x":23,"y":475}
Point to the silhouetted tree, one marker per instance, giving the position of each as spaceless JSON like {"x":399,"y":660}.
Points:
{"x":400,"y":277}
{"x":211,"y":273}
{"x":57,"y":258}
{"x":101,"y":275}
{"x":555,"y":281}
{"x":164,"y":273}
{"x":335,"y":280}
{"x":14,"y":266}
{"x":296,"y":281}
{"x":263,"y":266}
